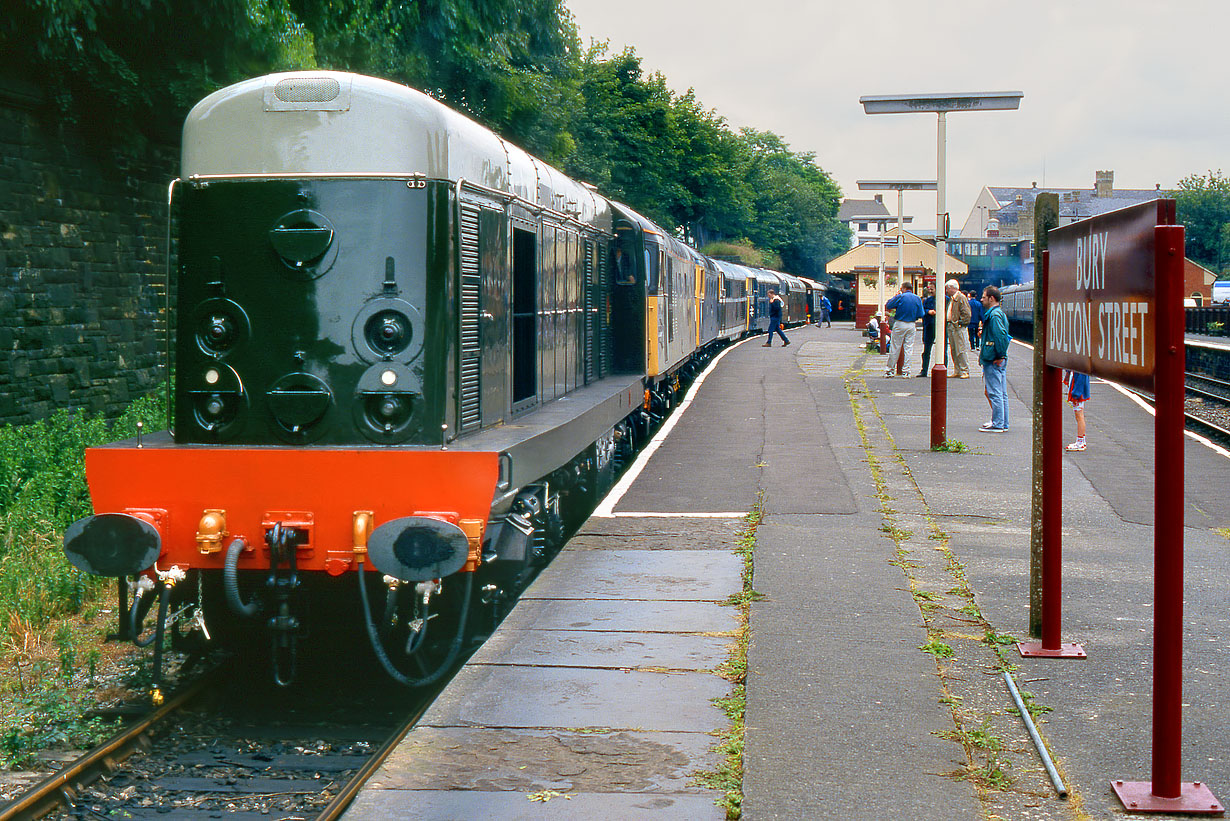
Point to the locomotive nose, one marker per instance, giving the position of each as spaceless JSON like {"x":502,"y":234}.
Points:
{"x":112,"y":544}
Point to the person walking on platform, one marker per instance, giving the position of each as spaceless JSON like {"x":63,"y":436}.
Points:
{"x":994,"y":358}
{"x":928,"y":328}
{"x":826,"y":312}
{"x":907,"y":310}
{"x":956,"y":319}
{"x":1077,"y":385}
{"x":975,"y":320}
{"x":775,"y":319}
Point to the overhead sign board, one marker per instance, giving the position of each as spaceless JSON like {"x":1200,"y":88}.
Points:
{"x":963,"y":101}
{"x":1101,"y":294}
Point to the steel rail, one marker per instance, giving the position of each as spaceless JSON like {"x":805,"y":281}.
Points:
{"x":1191,"y":422}
{"x":342,"y":800}
{"x":59,"y":788}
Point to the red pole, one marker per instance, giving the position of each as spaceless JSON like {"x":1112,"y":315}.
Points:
{"x":1052,"y":499}
{"x":1167,"y":793}
{"x":1169,"y":388}
{"x":1052,"y":506}
{"x":1052,"y":483}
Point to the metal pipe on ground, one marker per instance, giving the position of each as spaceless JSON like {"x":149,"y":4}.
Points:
{"x":1033,"y":734}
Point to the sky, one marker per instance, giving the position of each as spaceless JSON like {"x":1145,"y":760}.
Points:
{"x":1121,"y":85}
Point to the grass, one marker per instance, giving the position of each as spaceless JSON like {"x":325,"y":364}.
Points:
{"x":42,"y":491}
{"x":728,"y":777}
{"x":50,"y":634}
{"x":951,"y":446}
{"x":938,"y":649}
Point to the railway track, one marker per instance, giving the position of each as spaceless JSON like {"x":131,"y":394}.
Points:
{"x":1206,"y":407}
{"x":219,"y":750}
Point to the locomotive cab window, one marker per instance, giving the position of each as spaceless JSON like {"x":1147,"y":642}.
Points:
{"x":623,"y":266}
{"x":525,"y":315}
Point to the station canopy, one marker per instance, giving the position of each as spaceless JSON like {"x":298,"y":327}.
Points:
{"x":918,"y":254}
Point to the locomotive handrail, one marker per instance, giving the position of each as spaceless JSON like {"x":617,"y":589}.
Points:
{"x":166,"y":287}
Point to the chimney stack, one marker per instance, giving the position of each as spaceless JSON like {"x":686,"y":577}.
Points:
{"x":1105,"y":184}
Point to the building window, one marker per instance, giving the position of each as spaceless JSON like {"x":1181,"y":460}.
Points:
{"x":862,"y":226}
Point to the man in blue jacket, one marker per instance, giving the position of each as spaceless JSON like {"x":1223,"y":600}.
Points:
{"x":908,"y":309}
{"x":994,"y":358}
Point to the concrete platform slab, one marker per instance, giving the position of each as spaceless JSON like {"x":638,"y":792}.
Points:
{"x":643,"y":616}
{"x":578,"y":648}
{"x":656,"y":575}
{"x":494,"y":696}
{"x":428,"y":805}
{"x":490,"y":758}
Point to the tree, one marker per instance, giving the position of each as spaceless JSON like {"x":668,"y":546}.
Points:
{"x":795,"y":205}
{"x":113,"y":67}
{"x":1203,"y":206}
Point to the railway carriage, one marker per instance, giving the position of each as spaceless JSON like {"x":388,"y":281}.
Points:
{"x":400,"y":343}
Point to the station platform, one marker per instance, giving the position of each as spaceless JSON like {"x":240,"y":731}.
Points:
{"x":892,"y":580}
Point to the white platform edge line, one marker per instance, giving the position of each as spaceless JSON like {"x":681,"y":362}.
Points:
{"x":657,"y":515}
{"x":1195,"y":437}
{"x":606,"y":508}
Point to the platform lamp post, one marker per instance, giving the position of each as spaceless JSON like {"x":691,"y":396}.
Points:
{"x":899,"y":186}
{"x":941,"y":104}
{"x":880,"y":220}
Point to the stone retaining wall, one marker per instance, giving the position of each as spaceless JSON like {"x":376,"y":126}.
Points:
{"x":82,"y":269}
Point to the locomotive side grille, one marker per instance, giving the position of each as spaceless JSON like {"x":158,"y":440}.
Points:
{"x":591,"y":316}
{"x":322,"y":90}
{"x":471,"y":346}
{"x":604,"y":325}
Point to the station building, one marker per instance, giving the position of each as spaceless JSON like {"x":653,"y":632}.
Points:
{"x":860,"y":268}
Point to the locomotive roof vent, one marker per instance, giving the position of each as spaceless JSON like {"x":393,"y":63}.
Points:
{"x":308,"y":94}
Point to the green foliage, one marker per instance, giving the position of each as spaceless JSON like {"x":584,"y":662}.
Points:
{"x":1203,"y":205}
{"x":938,"y":649}
{"x":743,"y":253}
{"x":50,"y":715}
{"x":131,"y":70}
{"x":683,"y":167}
{"x":42,"y":467}
{"x":516,"y":66}
{"x":42,"y":491}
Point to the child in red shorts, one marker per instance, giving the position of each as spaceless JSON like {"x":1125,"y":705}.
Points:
{"x":1077,"y":385}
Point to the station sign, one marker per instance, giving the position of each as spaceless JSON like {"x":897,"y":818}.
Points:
{"x":1101,"y":294}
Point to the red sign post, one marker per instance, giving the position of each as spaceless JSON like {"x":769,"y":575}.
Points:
{"x":1114,"y":309}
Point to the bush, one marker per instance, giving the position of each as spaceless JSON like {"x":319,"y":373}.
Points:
{"x":42,"y":465}
{"x":42,"y":491}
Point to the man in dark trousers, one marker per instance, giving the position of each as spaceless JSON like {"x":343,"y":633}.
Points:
{"x":907,"y":310}
{"x":975,"y":320}
{"x":775,"y":319}
{"x":928,"y":328}
{"x":826,"y":312}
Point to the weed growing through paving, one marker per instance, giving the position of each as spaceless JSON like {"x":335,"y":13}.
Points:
{"x":987,"y":765}
{"x":728,"y":777}
{"x":938,"y":649}
{"x":951,"y":446}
